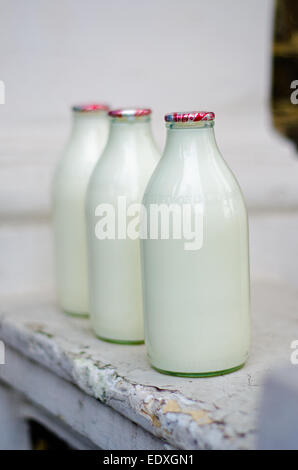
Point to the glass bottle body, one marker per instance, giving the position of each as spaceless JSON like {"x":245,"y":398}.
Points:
{"x":116,"y":185}
{"x":86,"y":143}
{"x":196,"y":288}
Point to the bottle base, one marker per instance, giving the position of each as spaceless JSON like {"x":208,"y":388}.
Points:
{"x":198,"y":374}
{"x":76,"y":315}
{"x":119,"y":341}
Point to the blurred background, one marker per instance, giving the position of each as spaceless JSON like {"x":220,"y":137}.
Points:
{"x":238,"y":58}
{"x":170,"y":56}
{"x":234,"y":57}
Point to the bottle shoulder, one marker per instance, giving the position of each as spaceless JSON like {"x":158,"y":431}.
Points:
{"x":118,"y":166}
{"x":121,"y":174}
{"x":209,"y":179}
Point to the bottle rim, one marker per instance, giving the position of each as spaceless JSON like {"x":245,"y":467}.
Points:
{"x":90,"y":107}
{"x":189,"y":116}
{"x":129,"y":113}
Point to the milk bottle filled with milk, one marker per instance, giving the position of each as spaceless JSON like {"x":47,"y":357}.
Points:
{"x":113,"y":205}
{"x":195,"y":255}
{"x":88,"y":137}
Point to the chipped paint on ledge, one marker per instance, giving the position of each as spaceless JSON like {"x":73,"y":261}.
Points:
{"x":200,"y":416}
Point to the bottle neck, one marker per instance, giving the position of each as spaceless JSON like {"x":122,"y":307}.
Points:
{"x":191,"y":140}
{"x":135,"y":132}
{"x":86,"y":123}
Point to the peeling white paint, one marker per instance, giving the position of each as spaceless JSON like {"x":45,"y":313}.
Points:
{"x":217,"y":412}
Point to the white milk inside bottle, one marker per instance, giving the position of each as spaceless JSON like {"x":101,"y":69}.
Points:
{"x":114,"y":197}
{"x":87,"y":140}
{"x":196,"y":268}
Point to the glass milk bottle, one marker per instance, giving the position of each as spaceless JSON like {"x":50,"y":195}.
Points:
{"x":195,"y":256}
{"x":113,"y":205}
{"x":87,"y":140}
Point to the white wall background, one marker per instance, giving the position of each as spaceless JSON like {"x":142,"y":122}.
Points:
{"x":169,"y":55}
{"x":166,"y":54}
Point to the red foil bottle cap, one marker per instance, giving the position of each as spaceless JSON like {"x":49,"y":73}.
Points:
{"x":191,"y":116}
{"x":129,"y":113}
{"x":85,"y":108}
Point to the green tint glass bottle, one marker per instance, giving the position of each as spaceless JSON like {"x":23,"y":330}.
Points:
{"x":87,"y":140}
{"x":196,"y":281}
{"x":115,"y":191}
